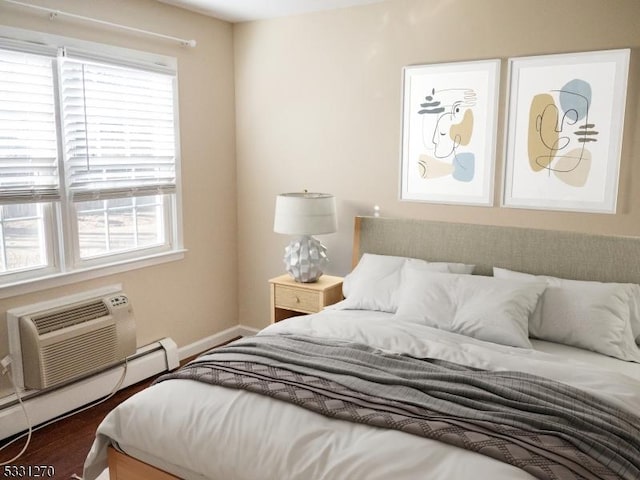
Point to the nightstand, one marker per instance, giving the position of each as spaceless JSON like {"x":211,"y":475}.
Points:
{"x":290,"y":298}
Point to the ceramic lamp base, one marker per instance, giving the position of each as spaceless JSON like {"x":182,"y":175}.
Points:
{"x":305,"y":258}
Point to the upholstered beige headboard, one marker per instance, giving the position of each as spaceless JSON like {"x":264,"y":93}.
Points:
{"x":562,"y":254}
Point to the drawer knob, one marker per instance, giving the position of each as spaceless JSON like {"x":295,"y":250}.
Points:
{"x":297,"y":300}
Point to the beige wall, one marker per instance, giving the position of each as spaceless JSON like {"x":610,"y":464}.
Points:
{"x":318,"y":104}
{"x":195,"y":297}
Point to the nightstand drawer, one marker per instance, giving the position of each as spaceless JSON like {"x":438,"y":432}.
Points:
{"x":297,"y":299}
{"x":290,"y":298}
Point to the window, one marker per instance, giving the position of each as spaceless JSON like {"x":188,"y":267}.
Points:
{"x":22,"y":236}
{"x":109,"y":226}
{"x":88,"y":161}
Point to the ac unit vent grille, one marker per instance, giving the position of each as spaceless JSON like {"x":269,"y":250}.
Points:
{"x":64,"y":339}
{"x":79,"y":355}
{"x":69,"y":317}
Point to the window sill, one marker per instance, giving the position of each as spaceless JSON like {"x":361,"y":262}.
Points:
{"x":76,"y":276}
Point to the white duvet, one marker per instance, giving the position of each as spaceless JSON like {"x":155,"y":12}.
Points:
{"x":197,"y":431}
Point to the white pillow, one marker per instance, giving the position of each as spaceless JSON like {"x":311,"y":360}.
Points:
{"x":592,"y":315}
{"x":481,"y":307}
{"x":373,"y":284}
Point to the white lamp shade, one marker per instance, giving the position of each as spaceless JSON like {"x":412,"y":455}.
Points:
{"x":305,"y":214}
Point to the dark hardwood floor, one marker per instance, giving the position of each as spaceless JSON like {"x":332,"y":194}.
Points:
{"x":65,"y":443}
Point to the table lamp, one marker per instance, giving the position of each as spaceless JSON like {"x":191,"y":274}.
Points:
{"x":303,"y":215}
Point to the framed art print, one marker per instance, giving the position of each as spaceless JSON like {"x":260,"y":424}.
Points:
{"x":564,"y":132}
{"x":449,"y":120}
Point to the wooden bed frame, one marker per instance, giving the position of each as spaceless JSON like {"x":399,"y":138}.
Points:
{"x":124,"y":467}
{"x":562,"y":254}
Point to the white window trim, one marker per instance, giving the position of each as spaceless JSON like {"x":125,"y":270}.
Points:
{"x":78,"y":263}
{"x":51,"y":251}
{"x":68,"y":271}
{"x":60,"y":279}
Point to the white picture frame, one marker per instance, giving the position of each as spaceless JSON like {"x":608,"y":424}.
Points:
{"x":449,"y":124}
{"x":564,"y":131}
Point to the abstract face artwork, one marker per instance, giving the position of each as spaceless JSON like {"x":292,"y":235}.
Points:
{"x":447,"y":127}
{"x":566,"y":115}
{"x":449,"y":121}
{"x":559,"y":133}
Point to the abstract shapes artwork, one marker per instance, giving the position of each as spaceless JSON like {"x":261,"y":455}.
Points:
{"x":565,"y":120}
{"x":449,"y":132}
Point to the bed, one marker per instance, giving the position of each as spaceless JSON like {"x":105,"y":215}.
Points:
{"x":262,"y":409}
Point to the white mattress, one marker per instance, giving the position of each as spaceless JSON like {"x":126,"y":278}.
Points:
{"x":197,"y":431}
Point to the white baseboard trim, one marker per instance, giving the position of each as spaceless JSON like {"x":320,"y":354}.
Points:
{"x":43,"y":406}
{"x":214,"y":340}
{"x":247,"y":331}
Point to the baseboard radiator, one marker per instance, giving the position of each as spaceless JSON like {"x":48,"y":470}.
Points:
{"x":71,"y":351}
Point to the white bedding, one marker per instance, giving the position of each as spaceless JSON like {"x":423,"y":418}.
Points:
{"x":197,"y":431}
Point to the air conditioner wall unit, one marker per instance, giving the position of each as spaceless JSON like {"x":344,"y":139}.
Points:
{"x":52,"y":343}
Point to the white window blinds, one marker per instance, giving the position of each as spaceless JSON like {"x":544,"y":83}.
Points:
{"x":119,"y":134}
{"x":28,"y":140}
